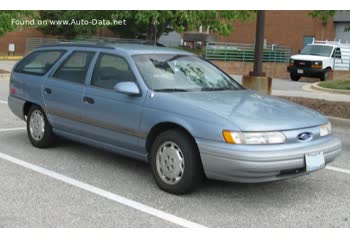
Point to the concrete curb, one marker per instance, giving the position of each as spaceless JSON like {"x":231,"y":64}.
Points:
{"x":4,"y":76}
{"x":340,"y":122}
{"x":315,"y":86}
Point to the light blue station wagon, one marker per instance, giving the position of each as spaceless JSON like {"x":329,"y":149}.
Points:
{"x":168,"y":107}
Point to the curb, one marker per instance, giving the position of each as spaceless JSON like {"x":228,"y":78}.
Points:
{"x":5,"y":75}
{"x":10,"y":58}
{"x":340,"y":122}
{"x":316,"y":87}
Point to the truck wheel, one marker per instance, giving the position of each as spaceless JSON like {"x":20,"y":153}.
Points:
{"x":175,"y":162}
{"x":38,"y":128}
{"x":295,"y":77}
{"x":324,"y":75}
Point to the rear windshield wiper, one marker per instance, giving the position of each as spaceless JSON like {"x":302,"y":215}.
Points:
{"x":171,"y":90}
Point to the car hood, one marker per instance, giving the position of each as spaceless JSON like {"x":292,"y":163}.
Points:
{"x":252,"y":111}
{"x":308,"y":57}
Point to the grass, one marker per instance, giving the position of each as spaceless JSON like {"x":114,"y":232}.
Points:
{"x":336,"y":84}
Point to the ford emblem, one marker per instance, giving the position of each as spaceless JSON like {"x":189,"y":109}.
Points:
{"x":304,"y":136}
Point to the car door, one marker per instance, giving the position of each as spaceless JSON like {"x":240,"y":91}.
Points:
{"x":63,"y":91}
{"x":113,"y":117}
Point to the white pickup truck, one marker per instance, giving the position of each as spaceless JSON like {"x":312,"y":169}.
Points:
{"x":316,"y":60}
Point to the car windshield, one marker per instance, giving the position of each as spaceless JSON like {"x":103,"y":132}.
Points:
{"x":168,"y":72}
{"x":317,"y":50}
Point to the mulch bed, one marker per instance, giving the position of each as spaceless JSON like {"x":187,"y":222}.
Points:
{"x":329,"y":108}
{"x":3,"y":71}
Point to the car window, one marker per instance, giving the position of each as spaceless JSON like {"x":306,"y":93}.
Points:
{"x":39,"y":62}
{"x":109,"y":70}
{"x":171,"y":72}
{"x":75,"y":67}
{"x":336,"y":53}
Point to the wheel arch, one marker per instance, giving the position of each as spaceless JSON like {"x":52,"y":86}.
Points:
{"x":162,"y":127}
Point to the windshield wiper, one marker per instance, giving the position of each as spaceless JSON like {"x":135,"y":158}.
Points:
{"x":216,"y":89}
{"x":171,"y":90}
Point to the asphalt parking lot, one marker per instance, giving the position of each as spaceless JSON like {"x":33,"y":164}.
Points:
{"x":73,"y":185}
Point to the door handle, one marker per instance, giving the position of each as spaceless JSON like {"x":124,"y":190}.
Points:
{"x":88,"y":100}
{"x":47,"y":91}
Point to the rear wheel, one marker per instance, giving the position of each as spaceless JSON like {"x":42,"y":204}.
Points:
{"x":175,"y":162}
{"x":38,"y":128}
{"x":295,"y":77}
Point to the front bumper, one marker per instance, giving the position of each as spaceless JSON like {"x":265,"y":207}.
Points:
{"x":262,"y":163}
{"x":307,"y":72}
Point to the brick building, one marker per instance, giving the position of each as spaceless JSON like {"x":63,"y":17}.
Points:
{"x":288,"y":28}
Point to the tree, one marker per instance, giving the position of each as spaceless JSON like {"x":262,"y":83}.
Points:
{"x":323,"y":16}
{"x":152,"y":24}
{"x":68,"y":30}
{"x":146,"y":24}
{"x":6,"y":17}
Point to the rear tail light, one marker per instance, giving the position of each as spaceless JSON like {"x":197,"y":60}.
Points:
{"x":12,"y":90}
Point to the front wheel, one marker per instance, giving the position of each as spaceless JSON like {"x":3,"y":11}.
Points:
{"x":324,"y":75}
{"x":295,"y":77}
{"x":175,"y":162}
{"x":38,"y":128}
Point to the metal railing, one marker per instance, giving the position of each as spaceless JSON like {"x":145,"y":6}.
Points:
{"x":342,"y":59}
{"x":245,"y":52}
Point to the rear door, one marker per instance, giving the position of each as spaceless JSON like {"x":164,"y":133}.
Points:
{"x":63,"y":91}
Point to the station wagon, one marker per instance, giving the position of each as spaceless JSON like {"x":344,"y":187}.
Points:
{"x":168,"y":107}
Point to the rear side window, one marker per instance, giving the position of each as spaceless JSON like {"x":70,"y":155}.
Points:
{"x":75,"y":67}
{"x":110,"y":70}
{"x":39,"y":62}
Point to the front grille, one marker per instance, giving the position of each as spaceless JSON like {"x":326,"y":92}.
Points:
{"x":302,"y":64}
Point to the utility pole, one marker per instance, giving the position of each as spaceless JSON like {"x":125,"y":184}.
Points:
{"x":259,"y":45}
{"x":257,"y":80}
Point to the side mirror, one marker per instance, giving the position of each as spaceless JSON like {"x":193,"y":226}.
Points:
{"x":129,"y":88}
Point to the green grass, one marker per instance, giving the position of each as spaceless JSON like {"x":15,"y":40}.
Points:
{"x":336,"y":84}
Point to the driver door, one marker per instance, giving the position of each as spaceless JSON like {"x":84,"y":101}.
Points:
{"x":113,"y":117}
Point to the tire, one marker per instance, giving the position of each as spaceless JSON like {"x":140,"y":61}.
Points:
{"x":38,"y":128}
{"x":181,"y":174}
{"x":295,"y":77}
{"x":324,"y":75}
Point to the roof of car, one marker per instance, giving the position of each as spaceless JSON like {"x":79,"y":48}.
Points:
{"x":128,"y":48}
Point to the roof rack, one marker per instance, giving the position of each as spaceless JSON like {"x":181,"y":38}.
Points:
{"x":339,"y":42}
{"x":100,"y":42}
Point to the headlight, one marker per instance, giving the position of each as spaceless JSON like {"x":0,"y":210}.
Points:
{"x":253,"y":137}
{"x":291,"y":62}
{"x":317,"y":64}
{"x":326,"y":129}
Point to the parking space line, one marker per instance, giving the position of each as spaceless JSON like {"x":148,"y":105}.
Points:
{"x":338,"y":169}
{"x":103,"y":193}
{"x":4,"y":102}
{"x":11,"y":129}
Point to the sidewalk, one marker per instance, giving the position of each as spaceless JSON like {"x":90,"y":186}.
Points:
{"x":313,"y":94}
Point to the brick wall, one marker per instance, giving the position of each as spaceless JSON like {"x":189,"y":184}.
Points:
{"x":274,"y":70}
{"x":286,"y":28}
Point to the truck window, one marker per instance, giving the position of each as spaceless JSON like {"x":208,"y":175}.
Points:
{"x":75,"y":67}
{"x":336,"y":53}
{"x":39,"y":62}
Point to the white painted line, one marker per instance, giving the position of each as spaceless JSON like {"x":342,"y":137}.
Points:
{"x":114,"y":197}
{"x":338,"y":169}
{"x":4,"y":102}
{"x":11,"y":129}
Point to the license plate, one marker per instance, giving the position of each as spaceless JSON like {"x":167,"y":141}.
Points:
{"x":300,"y":71}
{"x":314,"y":161}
